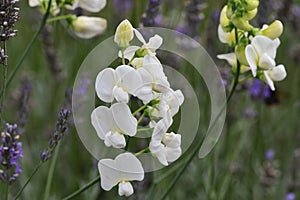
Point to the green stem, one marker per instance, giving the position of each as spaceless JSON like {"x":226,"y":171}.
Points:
{"x":123,"y":57}
{"x":142,"y":151}
{"x":144,"y":129}
{"x":4,"y":82}
{"x":6,"y":191}
{"x":34,"y":38}
{"x":139,"y":110}
{"x":28,"y":180}
{"x":141,"y":118}
{"x":85,"y":187}
{"x":51,"y":173}
{"x":53,"y":19}
{"x":245,"y":78}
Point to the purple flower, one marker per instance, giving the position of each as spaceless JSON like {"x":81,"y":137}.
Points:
{"x":149,"y":18}
{"x":290,"y":196}
{"x":122,"y":5}
{"x":10,"y":154}
{"x":270,"y":154}
{"x":259,"y":90}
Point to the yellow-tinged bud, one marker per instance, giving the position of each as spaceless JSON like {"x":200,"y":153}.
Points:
{"x":274,"y":30}
{"x":241,"y":23}
{"x":240,"y":54}
{"x":224,"y":21}
{"x":229,"y":12}
{"x":124,"y":34}
{"x":250,"y":14}
{"x":250,"y":4}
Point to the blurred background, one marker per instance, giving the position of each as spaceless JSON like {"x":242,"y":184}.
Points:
{"x":258,"y":155}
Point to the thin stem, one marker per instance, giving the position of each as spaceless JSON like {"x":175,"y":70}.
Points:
{"x":85,"y":187}
{"x":245,"y":78}
{"x":28,"y":180}
{"x":141,"y":118}
{"x":53,"y":19}
{"x":5,"y":66}
{"x":6,"y":191}
{"x":131,"y":60}
{"x":142,"y":151}
{"x":139,"y":110}
{"x":144,"y":129}
{"x":51,"y":173}
{"x":30,"y":44}
{"x":127,"y":143}
{"x":123,"y":58}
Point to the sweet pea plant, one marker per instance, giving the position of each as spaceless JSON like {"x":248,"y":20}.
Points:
{"x":141,"y":75}
{"x":135,"y":96}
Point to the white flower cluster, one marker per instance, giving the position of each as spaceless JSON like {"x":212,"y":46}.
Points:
{"x":141,"y":76}
{"x":254,"y":48}
{"x":83,"y":26}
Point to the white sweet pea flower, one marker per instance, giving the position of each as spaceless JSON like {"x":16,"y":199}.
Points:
{"x":226,"y":37}
{"x":261,"y":53}
{"x":277,"y":73}
{"x":165,"y":146}
{"x":118,"y":84}
{"x":88,"y":27}
{"x":125,"y":168}
{"x":232,"y":61}
{"x":113,"y":123}
{"x":89,"y":5}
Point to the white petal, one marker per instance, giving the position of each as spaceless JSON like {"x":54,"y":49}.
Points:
{"x":172,"y":140}
{"x":92,"y":5}
{"x":124,"y":119}
{"x":276,"y":42}
{"x":120,"y":94}
{"x":129,"y":52}
{"x":145,"y":93}
{"x":109,"y":174}
{"x":252,"y":58}
{"x":154,"y":43}
{"x":102,"y":120}
{"x":105,"y":83}
{"x":269,"y":80}
{"x":88,"y":27}
{"x":115,"y":139}
{"x":34,"y":3}
{"x":277,"y":73}
{"x":173,"y":154}
{"x":263,"y":44}
{"x":129,"y":167}
{"x":266,"y":62}
{"x":128,"y":78}
{"x":223,"y":36}
{"x":125,"y":188}
{"x":139,"y":36}
{"x":229,"y":57}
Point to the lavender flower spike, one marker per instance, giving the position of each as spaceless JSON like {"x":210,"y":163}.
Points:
{"x":152,"y":11}
{"x":10,"y":153}
{"x":9,"y":14}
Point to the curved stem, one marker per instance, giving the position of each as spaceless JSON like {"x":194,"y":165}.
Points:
{"x":51,"y":173}
{"x":142,"y":151}
{"x":28,"y":180}
{"x":85,"y":187}
{"x":54,"y":19}
{"x":139,"y":110}
{"x":5,"y":66}
{"x":34,"y":38}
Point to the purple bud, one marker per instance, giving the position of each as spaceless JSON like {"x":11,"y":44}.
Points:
{"x":270,"y":154}
{"x":290,"y":196}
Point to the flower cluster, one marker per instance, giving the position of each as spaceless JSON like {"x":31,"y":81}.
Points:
{"x":83,"y":26}
{"x":140,"y":76}
{"x":9,"y":15}
{"x":10,"y":153}
{"x":254,"y":48}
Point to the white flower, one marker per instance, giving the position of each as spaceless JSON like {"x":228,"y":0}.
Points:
{"x":88,"y":27}
{"x":89,"y":5}
{"x":261,"y":53}
{"x":113,"y":123}
{"x":232,"y":61}
{"x":124,"y":34}
{"x":226,"y":37}
{"x":277,"y":73}
{"x":125,"y":168}
{"x":118,"y":84}
{"x":54,"y":10}
{"x":152,"y":73}
{"x":165,"y":146}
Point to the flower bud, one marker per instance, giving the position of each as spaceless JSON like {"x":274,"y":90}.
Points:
{"x":250,"y":4}
{"x":88,"y":27}
{"x":241,"y":23}
{"x":250,"y":14}
{"x":274,"y":30}
{"x":224,"y":21}
{"x":229,"y":12}
{"x":124,"y":34}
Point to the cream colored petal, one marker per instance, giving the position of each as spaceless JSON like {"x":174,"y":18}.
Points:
{"x":88,"y":27}
{"x":252,"y":58}
{"x":277,"y":73}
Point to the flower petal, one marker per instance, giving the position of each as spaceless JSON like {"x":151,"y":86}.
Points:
{"x":266,"y":62}
{"x":128,"y":78}
{"x":139,"y":36}
{"x":277,"y":73}
{"x":269,"y":81}
{"x":125,"y":188}
{"x":124,"y":119}
{"x":92,"y":5}
{"x":173,"y":154}
{"x":109,"y":173}
{"x":88,"y":27}
{"x":129,"y":52}
{"x":102,"y":120}
{"x":129,"y":167}
{"x":154,"y":43}
{"x":229,"y":57}
{"x":120,"y":95}
{"x":263,"y":44}
{"x":105,"y":83}
{"x":115,"y":139}
{"x":252,"y":58}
